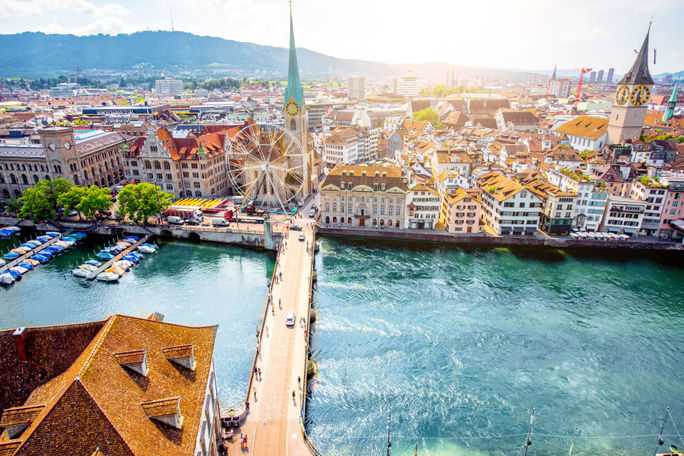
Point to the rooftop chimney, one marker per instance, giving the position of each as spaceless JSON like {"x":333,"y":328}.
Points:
{"x":165,"y":411}
{"x":182,"y":355}
{"x":20,"y":336}
{"x":17,"y":419}
{"x":135,"y":360}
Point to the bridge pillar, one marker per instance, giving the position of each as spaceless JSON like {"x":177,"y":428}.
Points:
{"x":268,"y":233}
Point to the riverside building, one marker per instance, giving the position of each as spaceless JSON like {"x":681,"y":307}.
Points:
{"x":82,"y":157}
{"x":508,"y":207}
{"x":372,"y":195}
{"x":181,"y":166}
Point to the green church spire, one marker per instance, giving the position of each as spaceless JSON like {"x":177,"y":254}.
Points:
{"x":671,"y":103}
{"x":294,"y":86}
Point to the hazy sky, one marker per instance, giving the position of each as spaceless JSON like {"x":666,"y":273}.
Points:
{"x":524,"y":34}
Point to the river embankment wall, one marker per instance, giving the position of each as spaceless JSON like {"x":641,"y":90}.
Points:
{"x":504,"y":241}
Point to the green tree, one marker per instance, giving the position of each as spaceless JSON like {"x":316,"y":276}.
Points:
{"x":71,"y":199}
{"x":41,"y":202}
{"x":138,"y":202}
{"x":13,"y":205}
{"x":35,"y":205}
{"x":95,"y":199}
{"x":428,"y":115}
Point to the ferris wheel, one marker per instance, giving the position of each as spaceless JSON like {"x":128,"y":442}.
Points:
{"x":267,"y":165}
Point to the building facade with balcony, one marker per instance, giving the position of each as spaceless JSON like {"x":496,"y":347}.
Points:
{"x":461,"y":211}
{"x":372,"y":196}
{"x":508,"y":208}
{"x":423,"y":207}
{"x":623,"y":215}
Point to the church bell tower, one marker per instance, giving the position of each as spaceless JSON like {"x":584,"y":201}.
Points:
{"x":294,"y":108}
{"x":631,"y":98}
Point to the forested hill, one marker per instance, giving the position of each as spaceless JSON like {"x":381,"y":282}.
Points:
{"x":39,"y":54}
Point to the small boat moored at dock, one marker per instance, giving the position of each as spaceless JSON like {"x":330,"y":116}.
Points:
{"x":108,"y":277}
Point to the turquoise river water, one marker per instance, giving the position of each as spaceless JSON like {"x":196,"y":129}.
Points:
{"x":461,"y":344}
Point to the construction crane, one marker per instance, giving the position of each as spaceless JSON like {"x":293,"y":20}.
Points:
{"x":579,"y":86}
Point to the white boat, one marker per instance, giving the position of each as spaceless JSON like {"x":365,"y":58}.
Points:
{"x":88,"y":267}
{"x":19,"y":270}
{"x":2,"y":262}
{"x":146,"y":249}
{"x":81,"y":273}
{"x":108,"y":277}
{"x":6,"y":279}
{"x":123,"y":264}
{"x":63,"y":244}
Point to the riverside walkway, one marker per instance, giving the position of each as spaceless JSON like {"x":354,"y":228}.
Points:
{"x":273,"y":425}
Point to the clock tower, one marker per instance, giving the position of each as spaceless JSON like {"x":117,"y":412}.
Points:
{"x":631,"y":98}
{"x":294,"y":108}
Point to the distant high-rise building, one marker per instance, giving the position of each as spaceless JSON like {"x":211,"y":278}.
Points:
{"x":356,"y":88}
{"x":560,"y":88}
{"x":407,"y":85}
{"x":169,"y":87}
{"x":451,"y":78}
{"x":592,"y":77}
{"x":611,"y":73}
{"x":599,"y":78}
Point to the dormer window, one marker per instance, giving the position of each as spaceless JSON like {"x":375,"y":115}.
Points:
{"x":344,"y":173}
{"x":135,"y":360}
{"x":17,"y":419}
{"x":342,"y":185}
{"x":183,"y":355}
{"x":363,"y":173}
{"x":351,"y":173}
{"x":377,"y":174}
{"x":166,"y":411}
{"x":382,"y":186}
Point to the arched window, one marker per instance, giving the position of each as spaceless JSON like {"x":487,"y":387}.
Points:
{"x":148,"y":165}
{"x":375,"y":222}
{"x":349,"y":220}
{"x":157,"y":165}
{"x":85,"y":174}
{"x":13,"y":179}
{"x":198,"y":193}
{"x":327,"y":219}
{"x":382,"y":222}
{"x":293,"y":125}
{"x":35,"y":179}
{"x":167,"y":166}
{"x":396,"y":223}
{"x":5,"y":193}
{"x":47,"y":178}
{"x":334,"y":219}
{"x":17,"y":194}
{"x":24,"y":179}
{"x":2,"y":179}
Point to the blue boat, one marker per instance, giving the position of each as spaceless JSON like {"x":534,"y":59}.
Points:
{"x":69,"y":239}
{"x":26,"y":245}
{"x":43,"y":239}
{"x":15,"y":275}
{"x":54,"y":248}
{"x":10,"y":256}
{"x":133,"y":239}
{"x":41,"y":257}
{"x":131,"y":258}
{"x":78,"y":235}
{"x":28,"y":266}
{"x":52,"y":234}
{"x":105,"y":256}
{"x":95,"y":263}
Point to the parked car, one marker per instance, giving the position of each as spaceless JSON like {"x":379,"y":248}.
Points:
{"x":301,"y":238}
{"x":290,"y":318}
{"x":312,"y":212}
{"x":191,"y":221}
{"x":296,"y":228}
{"x":219,"y":221}
{"x":174,"y":220}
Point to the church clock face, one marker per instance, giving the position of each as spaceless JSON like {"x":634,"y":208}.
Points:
{"x":291,"y":108}
{"x":622,"y":96}
{"x":640,"y":95}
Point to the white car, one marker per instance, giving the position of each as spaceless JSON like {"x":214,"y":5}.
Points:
{"x":290,"y":319}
